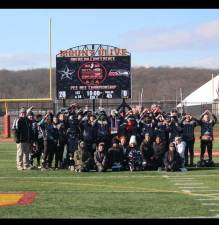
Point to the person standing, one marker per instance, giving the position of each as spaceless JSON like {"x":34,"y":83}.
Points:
{"x":188,"y":124}
{"x":22,"y":129}
{"x":207,"y":122}
{"x":50,"y":137}
{"x":62,"y":141}
{"x":34,"y":153}
{"x":180,"y":148}
{"x":124,"y":146}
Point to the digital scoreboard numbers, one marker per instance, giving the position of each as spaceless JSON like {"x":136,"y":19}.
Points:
{"x":90,"y":74}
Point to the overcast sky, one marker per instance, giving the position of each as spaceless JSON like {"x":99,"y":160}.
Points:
{"x":155,"y":37}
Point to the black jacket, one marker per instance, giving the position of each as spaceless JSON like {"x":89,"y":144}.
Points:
{"x":146,"y":150}
{"x":23,"y":130}
{"x":173,"y":164}
{"x":115,"y":155}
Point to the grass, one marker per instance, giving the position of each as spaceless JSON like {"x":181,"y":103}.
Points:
{"x":145,"y":194}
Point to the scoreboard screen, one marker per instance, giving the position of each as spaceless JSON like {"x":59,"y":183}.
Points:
{"x":90,"y":77}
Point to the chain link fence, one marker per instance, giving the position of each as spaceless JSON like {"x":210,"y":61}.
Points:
{"x":43,"y":107}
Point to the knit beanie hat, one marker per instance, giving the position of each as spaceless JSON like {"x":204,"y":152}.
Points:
{"x":133,"y":140}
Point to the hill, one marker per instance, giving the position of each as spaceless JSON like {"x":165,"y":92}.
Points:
{"x":158,"y":83}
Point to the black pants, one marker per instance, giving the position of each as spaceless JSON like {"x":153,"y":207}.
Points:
{"x":209,"y":145}
{"x":59,"y":155}
{"x":189,"y":150}
{"x":50,"y":147}
{"x":89,"y":146}
{"x":37,"y":154}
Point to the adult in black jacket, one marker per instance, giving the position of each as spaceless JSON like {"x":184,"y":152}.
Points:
{"x":89,"y":132}
{"x":72,"y":137}
{"x":188,"y":124}
{"x":124,"y":146}
{"x":207,"y":122}
{"x":50,"y":137}
{"x":115,"y":156}
{"x":35,"y":152}
{"x":23,"y":132}
{"x":62,"y":139}
{"x":39,"y":142}
{"x":102,"y":129}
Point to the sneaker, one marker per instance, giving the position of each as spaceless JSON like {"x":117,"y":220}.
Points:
{"x":28,"y":168}
{"x":131,"y":168}
{"x":159,"y":169}
{"x":19,"y":168}
{"x":183,"y":170}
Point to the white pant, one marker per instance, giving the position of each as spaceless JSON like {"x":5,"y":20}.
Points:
{"x":23,"y":151}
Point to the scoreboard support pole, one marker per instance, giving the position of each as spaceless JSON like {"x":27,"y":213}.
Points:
{"x":93,"y":105}
{"x":93,"y":101}
{"x":123,"y":106}
{"x":63,"y":102}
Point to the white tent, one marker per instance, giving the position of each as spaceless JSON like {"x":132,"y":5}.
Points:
{"x":206,"y":94}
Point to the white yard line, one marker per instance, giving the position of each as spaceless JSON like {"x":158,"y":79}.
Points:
{"x":210,"y":203}
{"x":5,"y":160}
{"x":193,"y":187}
{"x":182,"y":181}
{"x":14,"y":152}
{"x":190,"y":176}
{"x":182,"y":178}
{"x":208,"y":190}
{"x":76,"y":191}
{"x":8,"y":143}
{"x":190,"y":217}
{"x":74,"y":177}
{"x":188,"y":184}
{"x":188,"y":191}
{"x":215,"y":194}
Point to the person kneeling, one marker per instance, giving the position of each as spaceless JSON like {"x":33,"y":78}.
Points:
{"x":115,"y":156}
{"x":134,"y":156}
{"x":82,"y":158}
{"x":100,"y":158}
{"x":172,"y":160}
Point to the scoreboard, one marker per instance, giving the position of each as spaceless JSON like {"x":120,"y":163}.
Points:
{"x":84,"y":73}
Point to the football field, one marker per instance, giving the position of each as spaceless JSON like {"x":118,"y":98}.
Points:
{"x":145,"y":194}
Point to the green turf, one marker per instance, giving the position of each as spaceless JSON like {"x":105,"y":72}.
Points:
{"x":64,"y":194}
